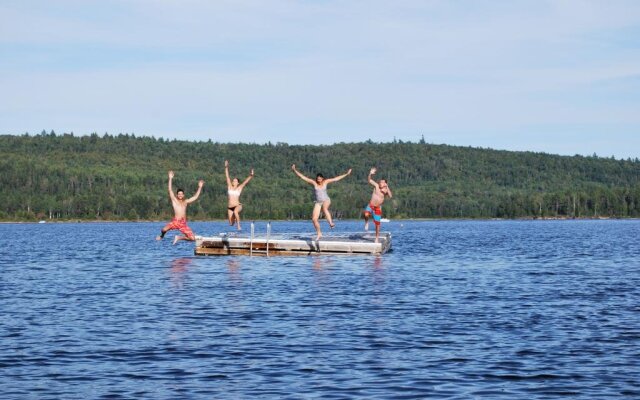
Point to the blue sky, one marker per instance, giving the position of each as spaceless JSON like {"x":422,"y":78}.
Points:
{"x":560,"y":76}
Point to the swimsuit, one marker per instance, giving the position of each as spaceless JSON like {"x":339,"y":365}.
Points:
{"x":375,"y":212}
{"x":321,"y":194}
{"x":181,"y":225}
{"x":234,"y":192}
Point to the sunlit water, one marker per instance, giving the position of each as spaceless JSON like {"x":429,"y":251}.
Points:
{"x":458,"y":309}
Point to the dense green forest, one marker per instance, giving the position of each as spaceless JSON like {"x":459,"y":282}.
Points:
{"x":124,"y":177}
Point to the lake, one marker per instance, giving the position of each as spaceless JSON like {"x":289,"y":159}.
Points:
{"x":458,"y":310}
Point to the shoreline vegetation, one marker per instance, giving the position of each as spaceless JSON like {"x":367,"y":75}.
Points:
{"x":401,"y":220}
{"x":122,"y":177}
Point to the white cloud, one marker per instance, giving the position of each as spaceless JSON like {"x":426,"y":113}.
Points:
{"x":477,"y":73}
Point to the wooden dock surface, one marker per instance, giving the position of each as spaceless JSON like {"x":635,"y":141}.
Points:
{"x":293,"y":244}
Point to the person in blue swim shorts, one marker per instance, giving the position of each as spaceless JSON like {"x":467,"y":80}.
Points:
{"x":373,"y":210}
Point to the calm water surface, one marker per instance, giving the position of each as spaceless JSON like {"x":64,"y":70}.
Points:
{"x":459,"y":309}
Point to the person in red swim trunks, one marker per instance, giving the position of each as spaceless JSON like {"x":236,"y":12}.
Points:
{"x":374,"y":208}
{"x":179,"y":221}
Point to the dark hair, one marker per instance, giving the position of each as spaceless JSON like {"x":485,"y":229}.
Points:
{"x":319,"y":176}
{"x":180,"y":190}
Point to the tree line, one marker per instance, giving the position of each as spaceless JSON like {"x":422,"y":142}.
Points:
{"x":124,"y":177}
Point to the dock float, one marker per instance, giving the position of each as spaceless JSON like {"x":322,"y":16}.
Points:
{"x":293,"y":244}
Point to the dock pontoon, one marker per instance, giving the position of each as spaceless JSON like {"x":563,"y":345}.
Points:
{"x":293,"y":244}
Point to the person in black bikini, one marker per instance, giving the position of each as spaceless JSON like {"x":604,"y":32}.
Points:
{"x":234,"y":189}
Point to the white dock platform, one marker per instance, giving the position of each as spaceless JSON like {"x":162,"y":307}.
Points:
{"x":293,"y":244}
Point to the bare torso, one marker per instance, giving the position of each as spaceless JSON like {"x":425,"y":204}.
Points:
{"x":179,"y":208}
{"x":377,"y":197}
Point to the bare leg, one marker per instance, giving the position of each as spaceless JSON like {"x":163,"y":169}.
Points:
{"x":366,"y":220}
{"x":179,"y":238}
{"x":163,"y":231}
{"x":327,"y":213}
{"x":230,"y":216}
{"x":314,"y":219}
{"x":236,"y":214}
{"x":377,"y":232}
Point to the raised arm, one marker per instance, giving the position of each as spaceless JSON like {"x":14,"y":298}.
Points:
{"x":370,"y":179}
{"x":247,"y":180}
{"x":195,"y":196}
{"x":171,"y":195}
{"x":337,"y":178}
{"x":304,"y":178}
{"x":226,"y":172}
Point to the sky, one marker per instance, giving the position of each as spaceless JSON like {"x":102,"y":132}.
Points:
{"x":561,"y":76}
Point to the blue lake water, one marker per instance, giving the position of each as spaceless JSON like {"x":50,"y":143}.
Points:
{"x":458,"y":309}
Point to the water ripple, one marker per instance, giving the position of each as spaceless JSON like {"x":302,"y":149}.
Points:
{"x":459,"y":309}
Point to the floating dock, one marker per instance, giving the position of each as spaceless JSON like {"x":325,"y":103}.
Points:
{"x":293,"y":244}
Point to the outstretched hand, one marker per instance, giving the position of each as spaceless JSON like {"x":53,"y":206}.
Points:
{"x":251,"y":173}
{"x":200,"y":183}
{"x":293,"y":167}
{"x":226,"y":163}
{"x":373,"y":171}
{"x":171,"y":174}
{"x":349,"y":171}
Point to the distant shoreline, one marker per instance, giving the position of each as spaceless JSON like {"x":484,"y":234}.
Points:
{"x":306,"y":220}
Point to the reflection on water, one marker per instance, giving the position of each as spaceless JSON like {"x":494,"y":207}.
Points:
{"x":378,"y":262}
{"x":320,"y":262}
{"x":233,"y":269}
{"x":179,"y":269}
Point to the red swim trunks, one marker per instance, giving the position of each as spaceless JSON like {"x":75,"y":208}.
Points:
{"x":375,"y":212}
{"x":181,"y":225}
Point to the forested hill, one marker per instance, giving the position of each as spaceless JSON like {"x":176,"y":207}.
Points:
{"x":66,"y":177}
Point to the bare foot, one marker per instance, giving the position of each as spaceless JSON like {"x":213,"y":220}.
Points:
{"x":332,"y":225}
{"x":318,"y":237}
{"x":158,"y":237}
{"x":366,"y":226}
{"x":176,"y":239}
